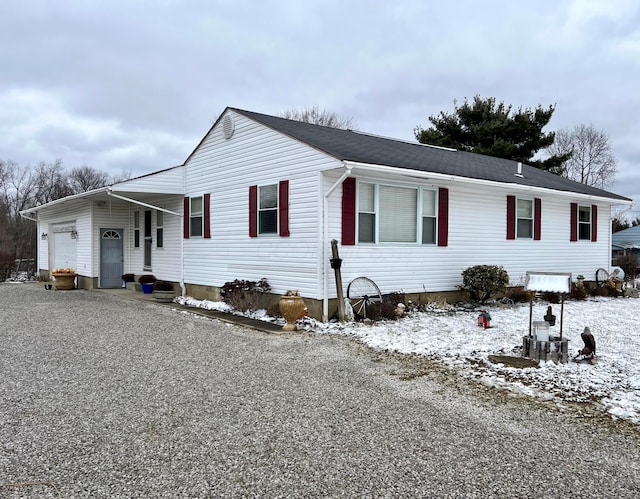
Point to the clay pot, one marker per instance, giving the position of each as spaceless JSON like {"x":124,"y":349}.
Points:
{"x":292,"y":309}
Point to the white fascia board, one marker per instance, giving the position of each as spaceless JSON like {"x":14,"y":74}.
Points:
{"x":73,"y":197}
{"x":441,"y":177}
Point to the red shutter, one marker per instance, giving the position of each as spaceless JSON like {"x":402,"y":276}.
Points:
{"x":207,"y":216}
{"x":185,"y":219}
{"x":511,"y":217}
{"x":574,"y":222}
{"x":283,"y":207}
{"x":594,"y":223}
{"x":253,"y":211}
{"x":443,"y":216}
{"x":349,"y":211}
{"x":537,"y":219}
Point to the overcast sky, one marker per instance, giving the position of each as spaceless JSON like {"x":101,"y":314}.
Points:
{"x":134,"y":85}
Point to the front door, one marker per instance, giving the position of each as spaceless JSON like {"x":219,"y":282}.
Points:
{"x":111,"y":258}
{"x":147,"y":240}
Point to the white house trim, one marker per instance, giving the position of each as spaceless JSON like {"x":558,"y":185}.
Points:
{"x":391,"y":170}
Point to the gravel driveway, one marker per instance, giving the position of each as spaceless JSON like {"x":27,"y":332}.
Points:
{"x":106,"y":397}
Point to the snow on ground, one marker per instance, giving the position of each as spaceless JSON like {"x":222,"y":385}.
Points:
{"x":451,"y":335}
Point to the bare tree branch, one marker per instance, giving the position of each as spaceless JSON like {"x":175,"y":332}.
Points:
{"x":592,"y":160}
{"x":317,"y":116}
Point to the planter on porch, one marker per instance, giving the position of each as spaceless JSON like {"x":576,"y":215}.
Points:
{"x":164,"y":291}
{"x":64,"y":279}
{"x":147,"y":281}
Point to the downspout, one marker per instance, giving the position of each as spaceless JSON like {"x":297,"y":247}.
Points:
{"x":325,"y":241}
{"x":180,"y":215}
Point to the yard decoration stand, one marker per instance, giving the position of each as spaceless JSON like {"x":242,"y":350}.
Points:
{"x":538,"y":344}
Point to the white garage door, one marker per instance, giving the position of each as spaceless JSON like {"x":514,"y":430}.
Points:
{"x":64,"y":250}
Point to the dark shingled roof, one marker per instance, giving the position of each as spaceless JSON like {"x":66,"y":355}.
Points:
{"x":371,"y":149}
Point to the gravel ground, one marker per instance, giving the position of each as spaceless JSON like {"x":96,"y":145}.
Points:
{"x":106,"y":397}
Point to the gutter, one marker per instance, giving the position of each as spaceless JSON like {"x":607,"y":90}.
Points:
{"x":468,"y":180}
{"x":110,"y":192}
{"x":325,"y":240}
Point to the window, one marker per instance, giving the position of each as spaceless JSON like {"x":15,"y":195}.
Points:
{"x":268,"y":209}
{"x":147,"y":240}
{"x":136,"y":229}
{"x":428,"y":217}
{"x":524,"y":218}
{"x":366,"y":213}
{"x":195,"y":217}
{"x":159,"y":229}
{"x":392,"y":214}
{"x":584,"y":223}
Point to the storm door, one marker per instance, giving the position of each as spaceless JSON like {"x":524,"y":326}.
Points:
{"x":111,"y":258}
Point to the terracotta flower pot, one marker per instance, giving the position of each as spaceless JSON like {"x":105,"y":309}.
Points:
{"x":291,"y":308}
{"x":64,"y":281}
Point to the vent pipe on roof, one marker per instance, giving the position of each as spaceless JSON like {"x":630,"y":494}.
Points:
{"x":519,"y":172}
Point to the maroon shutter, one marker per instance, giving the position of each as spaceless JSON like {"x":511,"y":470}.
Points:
{"x":349,"y":211}
{"x":537,"y":219}
{"x":253,"y":211}
{"x":283,"y":207}
{"x":443,"y":216}
{"x":207,"y":216}
{"x":574,"y":222}
{"x":594,"y":223}
{"x":185,"y":219}
{"x":511,"y":217}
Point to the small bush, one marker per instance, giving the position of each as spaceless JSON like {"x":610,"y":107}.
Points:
{"x":518,"y":294}
{"x":245,"y":295}
{"x":147,"y":279}
{"x":628,"y":263}
{"x":163,"y":286}
{"x":550,"y":296}
{"x":396,"y":297}
{"x":578,"y":292}
{"x":377,"y":311}
{"x":484,"y":281}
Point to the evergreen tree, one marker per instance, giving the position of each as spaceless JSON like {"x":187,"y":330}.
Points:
{"x":495,"y":129}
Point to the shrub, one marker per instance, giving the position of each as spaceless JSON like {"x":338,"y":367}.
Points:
{"x":245,"y":295}
{"x":163,"y":286}
{"x":395,"y":298}
{"x":550,"y":296}
{"x":518,"y":294}
{"x":377,"y":311}
{"x":147,"y":279}
{"x":484,"y":281}
{"x":578,"y":292}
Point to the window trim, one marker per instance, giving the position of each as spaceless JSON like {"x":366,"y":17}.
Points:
{"x":275,"y":209}
{"x":136,"y":229}
{"x":419,"y":215}
{"x":531,"y":220}
{"x":193,"y":215}
{"x":159,"y":229}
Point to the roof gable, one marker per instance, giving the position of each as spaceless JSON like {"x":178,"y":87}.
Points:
{"x":349,"y":145}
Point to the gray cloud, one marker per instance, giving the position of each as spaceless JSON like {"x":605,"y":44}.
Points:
{"x":135,"y":85}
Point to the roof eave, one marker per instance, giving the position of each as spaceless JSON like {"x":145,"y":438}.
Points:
{"x":442,"y":177}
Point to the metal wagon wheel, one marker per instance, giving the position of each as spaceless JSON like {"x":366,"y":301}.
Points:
{"x":602,"y":276}
{"x":362,"y":292}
